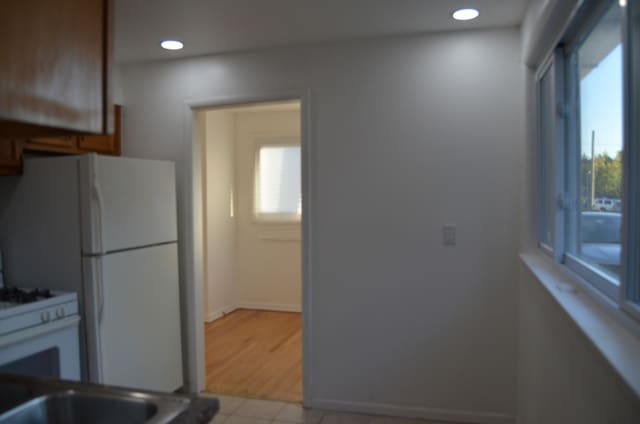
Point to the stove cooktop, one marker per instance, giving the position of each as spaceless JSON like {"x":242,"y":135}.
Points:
{"x":16,"y":296}
{"x":14,"y":299}
{"x":22,"y":308}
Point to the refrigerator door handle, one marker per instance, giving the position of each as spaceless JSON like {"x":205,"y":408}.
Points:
{"x":92,"y":207}
{"x":100,"y":290}
{"x":97,"y":195}
{"x":93,"y":305}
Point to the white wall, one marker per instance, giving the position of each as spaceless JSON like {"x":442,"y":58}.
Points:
{"x":269,"y":270}
{"x":561,"y":376}
{"x":221,"y":290}
{"x":408,"y":134}
{"x":542,"y":25}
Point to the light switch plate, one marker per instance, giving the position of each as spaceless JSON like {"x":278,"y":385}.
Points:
{"x":449,"y":235}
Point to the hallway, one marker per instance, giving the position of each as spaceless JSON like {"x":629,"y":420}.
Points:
{"x":255,"y":354}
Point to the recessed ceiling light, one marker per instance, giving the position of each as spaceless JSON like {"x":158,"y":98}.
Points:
{"x":172,"y":45}
{"x":465,"y":14}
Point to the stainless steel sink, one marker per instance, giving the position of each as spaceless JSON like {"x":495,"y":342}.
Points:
{"x":13,"y":395}
{"x":73,"y":407}
{"x":39,"y":402}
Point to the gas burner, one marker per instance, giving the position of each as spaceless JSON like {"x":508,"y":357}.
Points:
{"x":18,"y":296}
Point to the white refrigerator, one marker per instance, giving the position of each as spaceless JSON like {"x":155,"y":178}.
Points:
{"x":106,"y":228}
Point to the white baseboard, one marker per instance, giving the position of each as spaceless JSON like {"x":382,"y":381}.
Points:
{"x":413,"y":412}
{"x":219,"y":313}
{"x":265,"y":306}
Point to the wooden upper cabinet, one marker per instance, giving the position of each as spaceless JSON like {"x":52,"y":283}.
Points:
{"x":12,"y":149}
{"x":107,"y":144}
{"x":55,"y":67}
{"x":10,"y":157}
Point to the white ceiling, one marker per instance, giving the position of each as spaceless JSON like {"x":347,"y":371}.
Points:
{"x":215,"y":26}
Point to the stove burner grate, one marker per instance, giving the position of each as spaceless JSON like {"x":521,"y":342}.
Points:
{"x":19,"y":296}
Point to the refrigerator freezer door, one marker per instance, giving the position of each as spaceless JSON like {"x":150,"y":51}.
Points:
{"x":126,"y":203}
{"x":137,"y":310}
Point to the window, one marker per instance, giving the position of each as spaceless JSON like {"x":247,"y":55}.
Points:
{"x":596,"y":79}
{"x":546,"y":119}
{"x":589,"y":215}
{"x":551,"y":139}
{"x":631,"y":164}
{"x":277,"y":187}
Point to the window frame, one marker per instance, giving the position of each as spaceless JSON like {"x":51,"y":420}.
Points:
{"x":561,"y":62}
{"x":603,"y":282}
{"x":542,"y":193}
{"x":630,"y":283}
{"x":554,"y":67}
{"x":272,"y":218}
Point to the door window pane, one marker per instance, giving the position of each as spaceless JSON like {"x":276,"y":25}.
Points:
{"x":278,"y":181}
{"x":599,"y":83}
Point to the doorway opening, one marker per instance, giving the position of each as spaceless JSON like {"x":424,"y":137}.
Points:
{"x":252,"y":249}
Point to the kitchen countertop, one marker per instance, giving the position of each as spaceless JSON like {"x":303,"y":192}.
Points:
{"x":176,"y":408}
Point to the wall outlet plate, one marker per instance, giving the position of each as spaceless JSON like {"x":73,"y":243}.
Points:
{"x":449,"y":235}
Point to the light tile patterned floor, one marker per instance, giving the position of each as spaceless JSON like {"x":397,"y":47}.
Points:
{"x":237,"y":410}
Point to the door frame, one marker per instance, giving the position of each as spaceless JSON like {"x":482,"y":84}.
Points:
{"x":193,"y":232}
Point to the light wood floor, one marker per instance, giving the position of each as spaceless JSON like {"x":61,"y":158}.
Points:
{"x":255,"y":354}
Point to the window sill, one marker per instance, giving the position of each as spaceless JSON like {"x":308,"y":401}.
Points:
{"x":279,"y":219}
{"x":613,"y":333}
{"x":283,"y":232}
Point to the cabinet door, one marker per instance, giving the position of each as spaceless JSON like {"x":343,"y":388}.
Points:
{"x":52,"y":63}
{"x":66,"y":144}
{"x":106,"y":144}
{"x":10,"y":157}
{"x":11,"y":149}
{"x":97,"y":143}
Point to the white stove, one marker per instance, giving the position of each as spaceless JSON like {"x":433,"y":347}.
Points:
{"x":25,"y":308}
{"x":39,"y":333}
